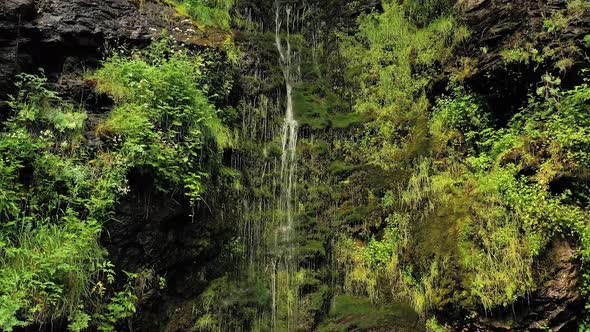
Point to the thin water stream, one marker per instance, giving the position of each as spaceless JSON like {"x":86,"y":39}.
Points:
{"x":284,"y":267}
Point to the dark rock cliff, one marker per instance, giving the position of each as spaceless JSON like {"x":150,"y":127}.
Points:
{"x":500,"y":26}
{"x":558,"y":303}
{"x":62,"y":36}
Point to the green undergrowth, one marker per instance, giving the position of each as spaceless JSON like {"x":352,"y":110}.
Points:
{"x":57,"y":191}
{"x":478,"y":219}
{"x":316,"y":103}
{"x":402,"y":196}
{"x":162,"y":120}
{"x":53,"y":203}
{"x":229,"y":304}
{"x":464,"y":210}
{"x":389,"y":65}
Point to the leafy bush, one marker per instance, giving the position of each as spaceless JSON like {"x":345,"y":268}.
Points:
{"x":461,"y":114}
{"x":49,"y":253}
{"x":474,"y":227}
{"x":162,"y":121}
{"x":50,"y":271}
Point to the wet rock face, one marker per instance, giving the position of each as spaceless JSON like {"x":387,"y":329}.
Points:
{"x":504,"y":25}
{"x":62,"y":37}
{"x":85,"y":23}
{"x":44,"y":34}
{"x":69,"y":36}
{"x":559,"y":300}
{"x":14,"y":26}
{"x":498,"y":26}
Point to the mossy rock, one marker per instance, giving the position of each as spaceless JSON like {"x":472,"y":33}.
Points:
{"x":341,"y":168}
{"x":320,"y":109}
{"x":352,"y":313}
{"x":312,"y":248}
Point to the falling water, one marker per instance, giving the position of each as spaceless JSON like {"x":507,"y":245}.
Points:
{"x":284,"y":265}
{"x":289,"y":137}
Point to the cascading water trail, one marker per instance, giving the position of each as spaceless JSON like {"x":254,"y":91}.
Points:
{"x":289,"y":132}
{"x":284,"y":263}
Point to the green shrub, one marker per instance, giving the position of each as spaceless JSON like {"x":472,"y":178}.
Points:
{"x":389,"y":64}
{"x":56,"y":191}
{"x":461,"y":113}
{"x":162,"y":122}
{"x":50,"y":259}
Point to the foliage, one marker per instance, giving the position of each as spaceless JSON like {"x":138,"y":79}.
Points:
{"x":432,"y":325}
{"x":433,"y":204}
{"x":211,"y":13}
{"x":352,"y":313}
{"x":50,"y":258}
{"x":121,"y":306}
{"x":469,"y":223}
{"x":162,"y":121}
{"x":230,"y":304}
{"x":526,"y":55}
{"x":458,"y":115}
{"x":390,"y":62}
{"x":56,"y":191}
{"x":321,"y":112}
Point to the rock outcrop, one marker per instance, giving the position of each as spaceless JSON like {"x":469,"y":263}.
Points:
{"x":64,"y":36}
{"x":511,"y":47}
{"x":69,"y":36}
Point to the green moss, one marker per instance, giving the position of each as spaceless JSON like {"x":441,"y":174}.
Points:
{"x":319,"y":298}
{"x":351,"y":313}
{"x":312,"y":248}
{"x":229,"y":304}
{"x":320,"y":108}
{"x":438,"y":234}
{"x":339,"y":167}
{"x":357,"y":217}
{"x":270,"y":77}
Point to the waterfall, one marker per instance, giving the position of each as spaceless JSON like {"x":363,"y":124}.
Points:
{"x":284,"y":265}
{"x":288,"y":136}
